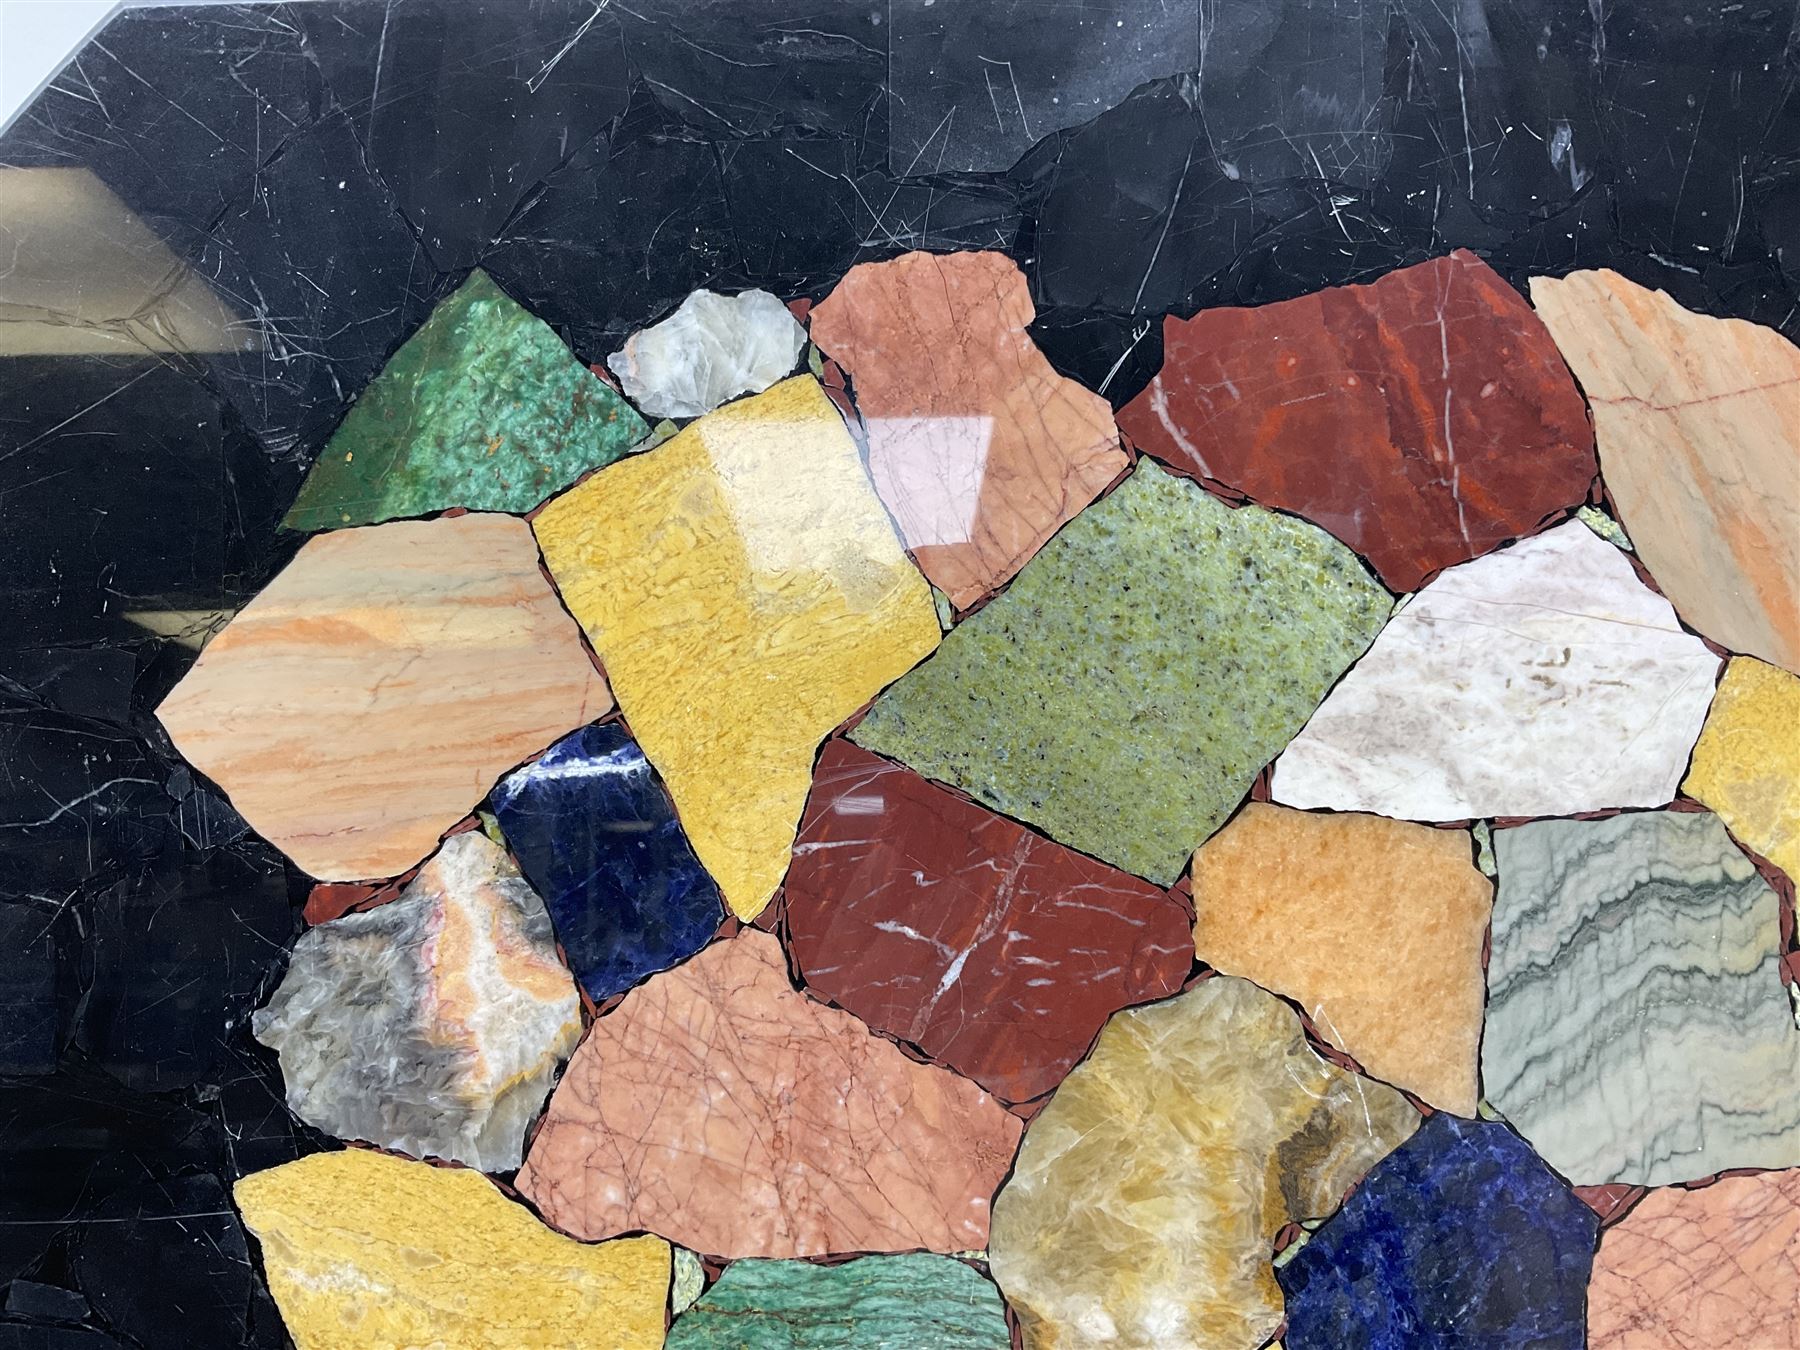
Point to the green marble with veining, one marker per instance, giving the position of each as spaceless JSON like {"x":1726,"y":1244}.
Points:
{"x":1126,"y":689}
{"x":913,"y":1302}
{"x":484,"y":407}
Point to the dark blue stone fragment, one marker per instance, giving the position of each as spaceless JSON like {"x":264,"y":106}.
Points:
{"x":1462,"y":1237}
{"x":595,"y":833}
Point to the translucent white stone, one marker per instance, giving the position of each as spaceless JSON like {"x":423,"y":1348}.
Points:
{"x":713,"y":348}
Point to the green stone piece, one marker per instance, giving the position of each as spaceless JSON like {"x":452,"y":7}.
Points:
{"x":946,"y":615}
{"x":659,"y":433}
{"x":1125,"y":691}
{"x":688,"y":1280}
{"x":1484,"y":848}
{"x":1604,"y":526}
{"x":913,"y":1302}
{"x":484,"y":407}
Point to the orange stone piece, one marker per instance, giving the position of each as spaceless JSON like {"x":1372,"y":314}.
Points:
{"x":979,"y":448}
{"x":1712,"y":1269}
{"x":1374,"y":926}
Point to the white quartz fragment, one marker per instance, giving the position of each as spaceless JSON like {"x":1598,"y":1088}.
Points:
{"x":1541,"y":680}
{"x":713,"y":348}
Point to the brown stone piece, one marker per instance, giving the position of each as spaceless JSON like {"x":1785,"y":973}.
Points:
{"x":1374,"y":926}
{"x":978,"y":447}
{"x":1698,"y":423}
{"x":722,"y":1109}
{"x":1704,"y":1269}
{"x":1424,"y":420}
{"x":375,"y":690}
{"x":997,"y":952}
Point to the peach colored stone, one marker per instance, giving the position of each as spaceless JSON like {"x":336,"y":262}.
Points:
{"x":1374,"y":926}
{"x":378,"y":687}
{"x":1698,"y":425}
{"x":979,"y":448}
{"x":1712,"y":1269}
{"x":722,"y":1109}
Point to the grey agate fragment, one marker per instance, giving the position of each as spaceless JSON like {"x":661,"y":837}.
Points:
{"x":433,"y":1024}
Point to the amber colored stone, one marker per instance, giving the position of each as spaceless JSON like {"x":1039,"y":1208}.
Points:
{"x":1698,"y":424}
{"x":1145,"y":1203}
{"x":1424,"y":419}
{"x":369,"y":697}
{"x":1374,"y":926}
{"x":977,"y":446}
{"x":723,"y":1109}
{"x":994,"y":950}
{"x":747,"y":594}
{"x":1717,"y":1267}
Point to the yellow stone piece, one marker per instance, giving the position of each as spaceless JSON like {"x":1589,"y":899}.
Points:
{"x":746,"y":593}
{"x":369,"y":1252}
{"x":1747,"y":764}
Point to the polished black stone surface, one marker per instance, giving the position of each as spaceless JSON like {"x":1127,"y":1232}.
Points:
{"x":329,"y":170}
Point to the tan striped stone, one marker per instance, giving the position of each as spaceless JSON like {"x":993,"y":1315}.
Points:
{"x":380,"y":685}
{"x":1698,"y":425}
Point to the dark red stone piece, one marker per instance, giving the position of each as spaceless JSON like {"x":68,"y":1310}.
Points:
{"x":994,"y":950}
{"x":1424,"y":420}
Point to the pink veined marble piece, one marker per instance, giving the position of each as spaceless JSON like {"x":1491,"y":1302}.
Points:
{"x":1713,"y":1269}
{"x":720,"y":1108}
{"x":979,"y":448}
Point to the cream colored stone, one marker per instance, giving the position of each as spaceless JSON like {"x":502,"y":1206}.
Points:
{"x":1698,"y":425}
{"x":1141,"y":1211}
{"x":1374,"y":926}
{"x":1544,"y":679}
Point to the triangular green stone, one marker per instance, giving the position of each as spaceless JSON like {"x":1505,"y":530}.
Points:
{"x":484,"y":407}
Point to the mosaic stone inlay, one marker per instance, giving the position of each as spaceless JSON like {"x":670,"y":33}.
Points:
{"x":921,"y":676}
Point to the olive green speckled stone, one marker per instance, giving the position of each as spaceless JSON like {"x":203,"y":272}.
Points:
{"x":484,"y":407}
{"x":1124,"y":692}
{"x":875,"y":1303}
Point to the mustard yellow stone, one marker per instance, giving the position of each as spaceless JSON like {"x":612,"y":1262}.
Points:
{"x":746,"y":593}
{"x":1747,"y":764}
{"x":369,"y":1252}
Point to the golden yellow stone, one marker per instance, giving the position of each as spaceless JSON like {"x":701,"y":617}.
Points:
{"x":1747,"y":764}
{"x":746,"y":593}
{"x":369,"y":1252}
